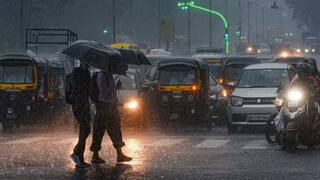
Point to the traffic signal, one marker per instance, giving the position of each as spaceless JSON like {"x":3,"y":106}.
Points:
{"x":238,"y":33}
{"x":105,"y":31}
{"x":226,"y":37}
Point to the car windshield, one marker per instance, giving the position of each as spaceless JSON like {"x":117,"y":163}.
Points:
{"x":233,"y":72}
{"x":128,"y":82}
{"x":215,"y":70}
{"x":177,"y":75}
{"x":264,"y":78}
{"x":16,"y":73}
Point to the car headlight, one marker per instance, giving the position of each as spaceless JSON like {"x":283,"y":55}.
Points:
{"x":236,"y":101}
{"x":132,"y":105}
{"x":295,"y":95}
{"x":164,"y":98}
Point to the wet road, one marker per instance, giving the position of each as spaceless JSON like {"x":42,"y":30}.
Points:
{"x":192,"y":154}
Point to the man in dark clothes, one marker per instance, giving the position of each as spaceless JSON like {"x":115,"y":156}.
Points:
{"x":107,"y":118}
{"x":81,"y":110}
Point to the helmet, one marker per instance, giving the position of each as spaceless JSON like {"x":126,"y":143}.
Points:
{"x":303,"y":68}
{"x":312,"y":65}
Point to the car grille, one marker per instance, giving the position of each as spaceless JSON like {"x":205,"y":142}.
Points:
{"x":258,"y":100}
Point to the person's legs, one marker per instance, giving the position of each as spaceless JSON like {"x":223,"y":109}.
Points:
{"x":113,"y":126}
{"x":82,"y":114}
{"x":98,"y":133}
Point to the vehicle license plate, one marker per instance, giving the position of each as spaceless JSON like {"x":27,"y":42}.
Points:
{"x":177,"y":92}
{"x":258,"y":117}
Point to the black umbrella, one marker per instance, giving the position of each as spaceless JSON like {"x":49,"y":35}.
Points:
{"x":97,"y":55}
{"x":133,"y":56}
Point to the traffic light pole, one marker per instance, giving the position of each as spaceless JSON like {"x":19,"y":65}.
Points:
{"x":114,"y":21}
{"x":216,"y":13}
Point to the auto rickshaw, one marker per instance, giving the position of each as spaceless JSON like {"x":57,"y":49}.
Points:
{"x":124,"y":45}
{"x":28,"y":86}
{"x":185,"y":92}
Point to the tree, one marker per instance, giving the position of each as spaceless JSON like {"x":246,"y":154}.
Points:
{"x":306,"y":13}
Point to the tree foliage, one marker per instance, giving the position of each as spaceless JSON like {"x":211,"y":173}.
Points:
{"x":306,"y":13}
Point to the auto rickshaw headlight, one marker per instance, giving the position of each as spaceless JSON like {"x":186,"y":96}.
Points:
{"x":10,"y":110}
{"x":190,"y":98}
{"x":165,"y":99}
{"x":28,"y":108}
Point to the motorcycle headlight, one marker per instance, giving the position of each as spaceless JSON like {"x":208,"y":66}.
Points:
{"x":132,"y":105}
{"x":10,"y":110}
{"x":236,"y":101}
{"x":164,"y":98}
{"x":295,"y":95}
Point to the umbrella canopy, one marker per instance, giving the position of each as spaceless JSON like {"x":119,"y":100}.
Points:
{"x":97,"y":55}
{"x":132,"y":56}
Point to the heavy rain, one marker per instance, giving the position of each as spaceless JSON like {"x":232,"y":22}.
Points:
{"x":159,"y":89}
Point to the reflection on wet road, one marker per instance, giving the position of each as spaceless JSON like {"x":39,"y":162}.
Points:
{"x":156,"y":155}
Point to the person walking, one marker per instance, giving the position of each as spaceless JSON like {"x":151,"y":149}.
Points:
{"x":107,"y":118}
{"x":80,"y":87}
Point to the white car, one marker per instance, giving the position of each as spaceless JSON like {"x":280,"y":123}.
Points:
{"x":252,"y":101}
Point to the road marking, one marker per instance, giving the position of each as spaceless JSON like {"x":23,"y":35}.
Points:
{"x":26,"y":140}
{"x":212,"y":143}
{"x":167,"y":142}
{"x":66,"y":141}
{"x":257,"y":144}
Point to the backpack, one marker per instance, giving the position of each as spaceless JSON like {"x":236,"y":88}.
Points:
{"x":69,"y":97}
{"x":94,"y":89}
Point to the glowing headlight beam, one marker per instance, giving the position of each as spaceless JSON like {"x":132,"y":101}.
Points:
{"x":295,"y":95}
{"x":132,"y":105}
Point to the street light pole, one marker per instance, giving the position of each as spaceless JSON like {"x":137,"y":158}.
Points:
{"x":263,"y":24}
{"x":189,"y":26}
{"x":159,"y":24}
{"x":257,"y":25}
{"x":249,"y":37}
{"x":210,"y":24}
{"x":114,"y":21}
{"x":240,"y":21}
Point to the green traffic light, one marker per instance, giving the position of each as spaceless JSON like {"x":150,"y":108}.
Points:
{"x":105,"y":31}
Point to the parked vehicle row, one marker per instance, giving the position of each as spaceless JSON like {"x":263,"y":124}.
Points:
{"x":27,"y":83}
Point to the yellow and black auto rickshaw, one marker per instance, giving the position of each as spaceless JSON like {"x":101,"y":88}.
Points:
{"x":28,"y":85}
{"x":185,"y":92}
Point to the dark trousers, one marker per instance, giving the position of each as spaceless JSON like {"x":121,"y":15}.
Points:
{"x":107,"y":118}
{"x":82,"y":114}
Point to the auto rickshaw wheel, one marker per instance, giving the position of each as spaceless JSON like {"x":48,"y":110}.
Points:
{"x":7,"y":126}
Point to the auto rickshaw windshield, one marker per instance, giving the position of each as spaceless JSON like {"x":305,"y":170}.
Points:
{"x":177,"y":75}
{"x":128,"y":82}
{"x":233,"y":72}
{"x":215,"y":70}
{"x":16,"y":73}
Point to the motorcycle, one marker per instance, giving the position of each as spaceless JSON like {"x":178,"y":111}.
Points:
{"x":294,"y":122}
